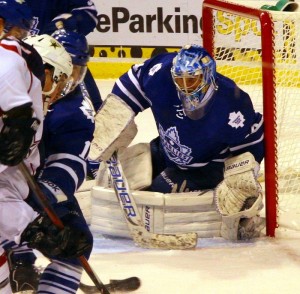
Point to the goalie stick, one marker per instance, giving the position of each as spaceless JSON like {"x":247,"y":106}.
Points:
{"x":57,"y":222}
{"x":125,"y":285}
{"x":140,"y":235}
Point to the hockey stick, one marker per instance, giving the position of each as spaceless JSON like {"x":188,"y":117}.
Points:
{"x":140,"y":235}
{"x":125,"y":285}
{"x":58,"y":223}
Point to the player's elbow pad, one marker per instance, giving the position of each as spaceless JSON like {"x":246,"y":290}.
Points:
{"x":19,"y":128}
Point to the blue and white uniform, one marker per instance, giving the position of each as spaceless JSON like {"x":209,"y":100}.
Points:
{"x":192,"y":150}
{"x":77,"y":15}
{"x":68,"y":131}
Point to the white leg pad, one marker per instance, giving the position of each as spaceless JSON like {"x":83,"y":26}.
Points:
{"x":137,"y":165}
{"x":162,"y":213}
{"x":83,"y":196}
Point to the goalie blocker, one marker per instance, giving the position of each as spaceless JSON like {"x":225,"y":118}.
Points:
{"x":181,"y":212}
{"x":108,"y":136}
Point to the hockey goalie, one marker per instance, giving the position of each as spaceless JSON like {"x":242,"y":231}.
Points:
{"x":200,"y":174}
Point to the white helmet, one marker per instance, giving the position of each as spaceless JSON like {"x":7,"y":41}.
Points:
{"x":53,"y":53}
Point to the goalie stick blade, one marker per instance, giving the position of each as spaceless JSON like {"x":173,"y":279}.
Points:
{"x":125,"y":285}
{"x":148,"y":240}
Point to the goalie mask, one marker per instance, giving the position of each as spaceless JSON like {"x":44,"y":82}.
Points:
{"x":53,"y":54}
{"x":194,"y":73}
{"x":77,"y":46}
{"x":16,"y":14}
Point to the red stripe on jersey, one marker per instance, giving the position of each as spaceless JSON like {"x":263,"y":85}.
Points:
{"x":3,"y":259}
{"x":10,"y":47}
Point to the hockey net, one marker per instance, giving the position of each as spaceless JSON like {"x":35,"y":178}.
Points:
{"x":260,"y":51}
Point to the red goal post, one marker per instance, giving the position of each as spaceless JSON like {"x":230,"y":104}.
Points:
{"x":239,"y":54}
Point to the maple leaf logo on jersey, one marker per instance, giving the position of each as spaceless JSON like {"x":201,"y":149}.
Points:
{"x":236,"y":119}
{"x":155,"y":69}
{"x":178,"y":153}
{"x":87,"y":109}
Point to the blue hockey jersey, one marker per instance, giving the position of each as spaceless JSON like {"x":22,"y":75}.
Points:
{"x":46,"y":13}
{"x":68,"y":131}
{"x":230,"y":127}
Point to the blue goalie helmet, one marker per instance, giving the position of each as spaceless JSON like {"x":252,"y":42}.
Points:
{"x":75,"y":44}
{"x":193,"y":72}
{"x":15,"y":13}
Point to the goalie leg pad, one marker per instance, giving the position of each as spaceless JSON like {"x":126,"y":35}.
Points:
{"x":162,"y":213}
{"x":137,"y":166}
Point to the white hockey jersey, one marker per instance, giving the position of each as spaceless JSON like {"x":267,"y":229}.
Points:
{"x":17,"y":86}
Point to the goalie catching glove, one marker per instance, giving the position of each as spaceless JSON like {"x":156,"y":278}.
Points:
{"x":16,"y":134}
{"x":239,"y":198}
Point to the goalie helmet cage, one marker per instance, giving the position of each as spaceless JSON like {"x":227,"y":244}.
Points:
{"x":260,"y":51}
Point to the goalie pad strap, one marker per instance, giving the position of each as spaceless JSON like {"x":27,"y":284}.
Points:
{"x":114,"y":128}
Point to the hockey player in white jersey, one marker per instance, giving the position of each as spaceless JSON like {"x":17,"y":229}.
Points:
{"x":203,"y":119}
{"x":69,"y":118}
{"x":21,"y":130}
{"x":19,"y":222}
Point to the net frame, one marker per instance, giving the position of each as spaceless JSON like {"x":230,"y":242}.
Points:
{"x":268,"y":92}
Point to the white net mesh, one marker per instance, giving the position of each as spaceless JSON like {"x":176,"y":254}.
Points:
{"x":237,"y":49}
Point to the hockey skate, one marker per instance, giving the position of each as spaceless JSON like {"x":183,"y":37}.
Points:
{"x":24,"y":278}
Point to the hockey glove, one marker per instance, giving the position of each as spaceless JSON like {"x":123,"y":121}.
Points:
{"x":43,"y":235}
{"x":16,"y":134}
{"x":239,"y":195}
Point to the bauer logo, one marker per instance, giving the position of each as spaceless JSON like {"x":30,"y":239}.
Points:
{"x":121,"y":190}
{"x":236,"y":165}
{"x":147,"y":217}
